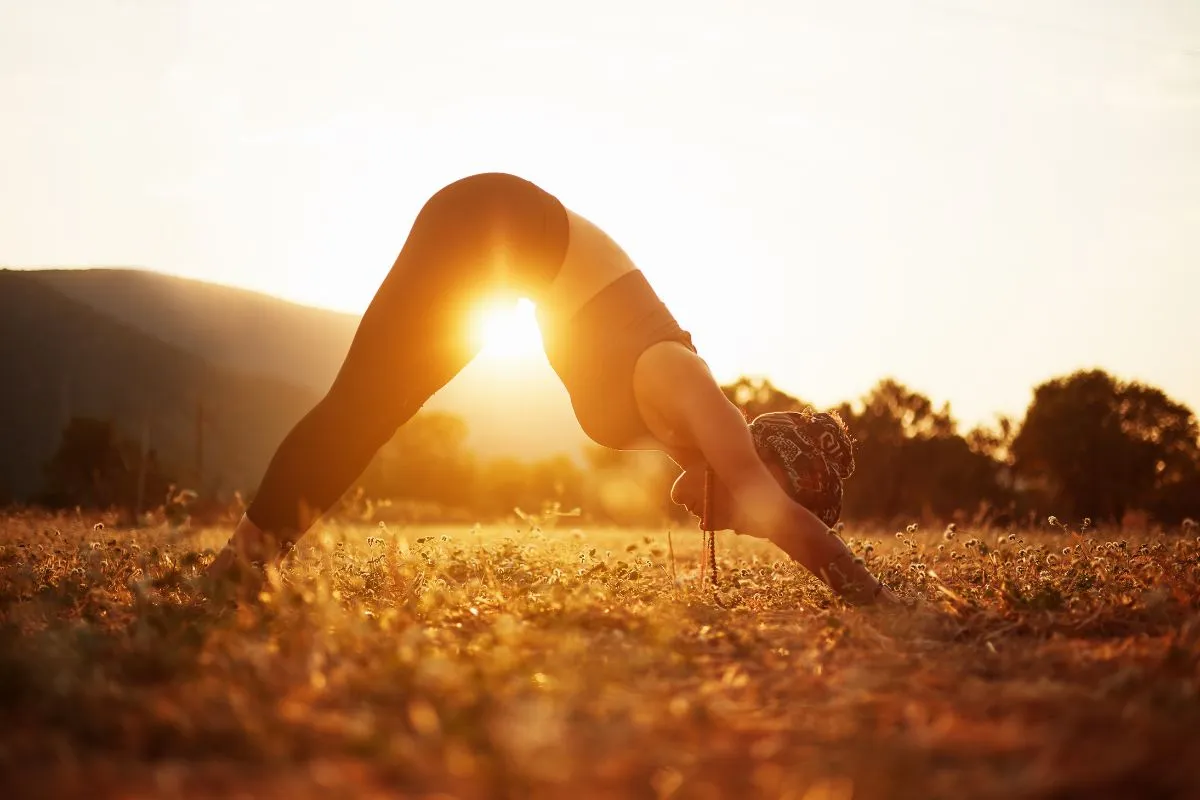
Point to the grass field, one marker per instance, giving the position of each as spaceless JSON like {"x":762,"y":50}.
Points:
{"x":518,"y":662}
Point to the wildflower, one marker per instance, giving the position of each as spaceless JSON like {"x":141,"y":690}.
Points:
{"x":912,"y":528}
{"x":1053,"y":521}
{"x":1012,"y":537}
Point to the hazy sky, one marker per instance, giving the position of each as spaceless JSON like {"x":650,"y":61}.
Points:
{"x":971,"y":200}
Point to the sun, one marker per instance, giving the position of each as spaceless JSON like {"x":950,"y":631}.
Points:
{"x":508,"y":332}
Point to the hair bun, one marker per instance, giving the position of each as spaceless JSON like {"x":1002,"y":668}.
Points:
{"x":830,"y":435}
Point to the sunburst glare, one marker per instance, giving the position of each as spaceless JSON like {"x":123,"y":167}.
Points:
{"x":508,"y":332}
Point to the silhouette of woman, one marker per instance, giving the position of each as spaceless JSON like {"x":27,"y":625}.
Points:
{"x":633,"y":376}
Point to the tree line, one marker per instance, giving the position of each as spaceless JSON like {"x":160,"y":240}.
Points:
{"x":1090,"y":446}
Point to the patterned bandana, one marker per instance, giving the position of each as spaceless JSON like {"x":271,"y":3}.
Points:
{"x":815,"y":451}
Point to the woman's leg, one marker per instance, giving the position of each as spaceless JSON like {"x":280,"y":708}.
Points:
{"x":480,"y":235}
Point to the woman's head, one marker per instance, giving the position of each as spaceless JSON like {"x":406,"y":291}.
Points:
{"x":808,"y":453}
{"x":814,"y":452}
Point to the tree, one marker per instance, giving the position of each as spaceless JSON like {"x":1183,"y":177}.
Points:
{"x":911,"y":460}
{"x":892,"y":413}
{"x":993,"y":442}
{"x":1096,"y":446}
{"x":95,"y":467}
{"x":755,"y":396}
{"x":426,"y":460}
{"x":506,"y":485}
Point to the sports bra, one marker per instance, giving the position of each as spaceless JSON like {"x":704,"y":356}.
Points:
{"x":594,"y":353}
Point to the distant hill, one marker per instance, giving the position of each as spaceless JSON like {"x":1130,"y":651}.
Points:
{"x":60,"y":357}
{"x":235,"y":328}
{"x":257,"y":334}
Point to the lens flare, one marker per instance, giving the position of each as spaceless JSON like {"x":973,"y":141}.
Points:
{"x":508,"y":332}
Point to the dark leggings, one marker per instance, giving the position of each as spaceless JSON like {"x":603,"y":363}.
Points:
{"x":480,"y":236}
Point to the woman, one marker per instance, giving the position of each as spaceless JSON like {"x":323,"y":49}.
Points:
{"x":634,"y":378}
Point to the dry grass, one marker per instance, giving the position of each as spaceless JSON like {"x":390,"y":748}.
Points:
{"x":494,"y":663}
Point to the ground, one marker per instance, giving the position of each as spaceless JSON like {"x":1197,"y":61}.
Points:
{"x":520,"y":662}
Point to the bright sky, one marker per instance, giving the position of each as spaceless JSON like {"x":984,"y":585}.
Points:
{"x":969,"y":196}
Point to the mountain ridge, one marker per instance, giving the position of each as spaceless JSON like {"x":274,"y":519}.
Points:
{"x":252,"y":333}
{"x":61,"y":358}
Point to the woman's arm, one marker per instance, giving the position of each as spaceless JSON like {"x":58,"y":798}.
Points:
{"x":677,"y":384}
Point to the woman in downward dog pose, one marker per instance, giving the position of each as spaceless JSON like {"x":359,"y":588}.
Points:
{"x":633,"y":376}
